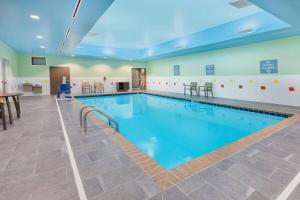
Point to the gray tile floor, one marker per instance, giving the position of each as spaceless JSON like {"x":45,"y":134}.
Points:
{"x":34,"y":163}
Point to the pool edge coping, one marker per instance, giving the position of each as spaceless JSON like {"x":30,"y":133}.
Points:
{"x":166,"y":178}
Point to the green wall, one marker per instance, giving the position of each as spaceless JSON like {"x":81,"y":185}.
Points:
{"x":8,"y":53}
{"x":79,"y":67}
{"x":242,"y":60}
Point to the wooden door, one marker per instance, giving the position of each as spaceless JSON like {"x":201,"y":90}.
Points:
{"x":56,"y":77}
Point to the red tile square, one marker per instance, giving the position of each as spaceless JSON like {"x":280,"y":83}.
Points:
{"x":222,"y":85}
{"x":292,"y":89}
{"x":263,"y":87}
{"x":241,"y":86}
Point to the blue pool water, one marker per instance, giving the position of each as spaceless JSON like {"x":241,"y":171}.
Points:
{"x":173,"y":131}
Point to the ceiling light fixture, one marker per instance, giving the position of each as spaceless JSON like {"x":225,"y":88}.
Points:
{"x":42,"y":47}
{"x":39,"y":37}
{"x":108,"y":52}
{"x":36,"y":17}
{"x":68,"y":32}
{"x":76,"y":8}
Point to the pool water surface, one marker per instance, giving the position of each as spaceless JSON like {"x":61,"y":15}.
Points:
{"x":173,"y":131}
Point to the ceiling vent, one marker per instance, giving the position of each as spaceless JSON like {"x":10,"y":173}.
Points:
{"x":92,"y":34}
{"x":247,"y":30}
{"x":38,"y":61}
{"x":240,"y":4}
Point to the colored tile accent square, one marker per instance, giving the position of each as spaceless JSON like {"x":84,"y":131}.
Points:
{"x":263,"y":87}
{"x":241,"y":86}
{"x":292,"y":89}
{"x":222,"y":85}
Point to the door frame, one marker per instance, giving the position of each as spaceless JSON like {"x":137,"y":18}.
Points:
{"x":55,"y":67}
{"x":145,"y":75}
{"x":4,"y":74}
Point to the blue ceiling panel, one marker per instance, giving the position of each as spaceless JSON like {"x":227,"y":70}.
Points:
{"x":142,"y":29}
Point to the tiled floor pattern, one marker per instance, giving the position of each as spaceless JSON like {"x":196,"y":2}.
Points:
{"x":188,"y":188}
{"x":34,"y":164}
{"x":260,"y":171}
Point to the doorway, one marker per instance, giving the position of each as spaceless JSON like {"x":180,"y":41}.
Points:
{"x":4,"y":68}
{"x":56,"y":77}
{"x":138,"y":78}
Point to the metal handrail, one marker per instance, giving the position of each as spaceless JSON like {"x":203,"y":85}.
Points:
{"x":110,"y":120}
{"x":81,"y":112}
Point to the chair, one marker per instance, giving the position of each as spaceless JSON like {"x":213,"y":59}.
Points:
{"x":192,"y":87}
{"x":2,"y":113}
{"x":208,"y":88}
{"x":98,"y":87}
{"x":86,"y":86}
{"x":64,"y":88}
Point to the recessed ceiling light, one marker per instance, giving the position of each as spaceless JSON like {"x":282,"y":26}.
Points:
{"x":42,"y":47}
{"x":73,"y":55}
{"x":39,"y":37}
{"x":108,"y":52}
{"x":180,"y":46}
{"x":32,"y":16}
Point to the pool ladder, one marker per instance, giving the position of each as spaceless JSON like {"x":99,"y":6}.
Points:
{"x":83,"y":118}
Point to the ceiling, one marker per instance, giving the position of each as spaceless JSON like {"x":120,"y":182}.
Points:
{"x":140,"y":24}
{"x":142,"y":29}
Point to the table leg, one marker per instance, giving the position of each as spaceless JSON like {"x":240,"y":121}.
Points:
{"x":17,"y":105}
{"x":9,"y":110}
{"x":3,"y":116}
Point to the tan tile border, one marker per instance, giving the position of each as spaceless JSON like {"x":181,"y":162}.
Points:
{"x":166,"y":178}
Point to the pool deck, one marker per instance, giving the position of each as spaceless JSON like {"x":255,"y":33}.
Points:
{"x":34,"y":163}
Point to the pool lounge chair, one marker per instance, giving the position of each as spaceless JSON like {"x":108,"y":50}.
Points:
{"x":208,"y":87}
{"x":191,"y":87}
{"x":86,"y":86}
{"x":98,"y":87}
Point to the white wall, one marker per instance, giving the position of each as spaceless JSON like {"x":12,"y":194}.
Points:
{"x":277,"y":87}
{"x":109,"y":84}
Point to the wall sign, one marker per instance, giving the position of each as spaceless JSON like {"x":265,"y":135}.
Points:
{"x":268,"y":66}
{"x":210,"y":70}
{"x":176,"y":70}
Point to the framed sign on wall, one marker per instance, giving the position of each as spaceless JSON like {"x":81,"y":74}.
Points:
{"x":269,"y":66}
{"x":176,"y":70}
{"x":210,"y":70}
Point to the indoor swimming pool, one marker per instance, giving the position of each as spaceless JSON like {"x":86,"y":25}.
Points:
{"x":173,"y":131}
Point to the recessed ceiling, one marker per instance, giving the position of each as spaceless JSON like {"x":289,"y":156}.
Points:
{"x":142,"y":29}
{"x":139,"y":24}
